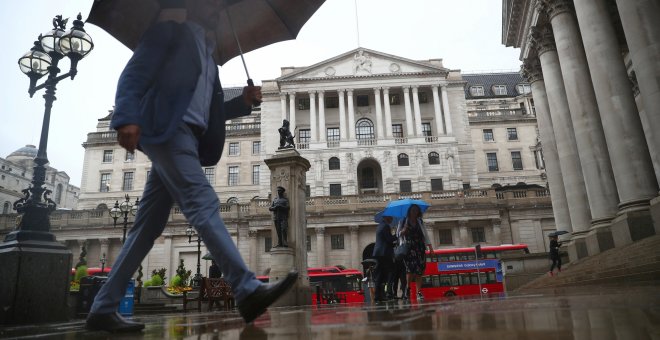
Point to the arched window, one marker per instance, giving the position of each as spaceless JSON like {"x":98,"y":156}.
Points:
{"x":333,"y":163}
{"x":6,"y":207}
{"x":434,"y":158}
{"x":58,"y":194}
{"x":232,"y":200}
{"x":402,"y":159}
{"x":364,"y":129}
{"x":102,"y":206}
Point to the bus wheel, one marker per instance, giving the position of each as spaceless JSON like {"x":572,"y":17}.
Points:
{"x":450,"y":294}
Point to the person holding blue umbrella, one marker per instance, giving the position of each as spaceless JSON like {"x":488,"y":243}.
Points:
{"x":411,"y":231}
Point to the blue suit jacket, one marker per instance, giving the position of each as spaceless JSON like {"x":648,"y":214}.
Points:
{"x":384,"y":241}
{"x":156,"y":87}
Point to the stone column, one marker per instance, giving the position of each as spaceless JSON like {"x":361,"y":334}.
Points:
{"x":320,"y":246}
{"x":322,"y":131}
{"x":292,"y":112}
{"x":388,"y":112}
{"x":410,"y":129}
{"x":589,"y":135}
{"x":418,"y":114}
{"x":167,"y":252}
{"x":351,"y":115}
{"x":342,"y":114}
{"x":379,"y":114}
{"x":288,"y":170}
{"x":439,"y":125}
{"x":254,"y":245}
{"x":312,"y":117}
{"x":283,"y":105}
{"x":559,"y":197}
{"x":463,"y":233}
{"x":640,"y":25}
{"x":355,"y":246}
{"x":631,"y":161}
{"x":567,"y":147}
{"x":497,"y":230}
{"x":445,"y":109}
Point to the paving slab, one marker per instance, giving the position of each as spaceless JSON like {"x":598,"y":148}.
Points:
{"x":580,"y":313}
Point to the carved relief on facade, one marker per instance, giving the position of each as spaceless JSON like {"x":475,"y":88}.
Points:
{"x":281,"y":177}
{"x":361,"y":62}
{"x":542,"y":39}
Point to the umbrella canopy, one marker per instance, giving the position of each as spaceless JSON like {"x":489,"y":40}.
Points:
{"x":399,"y":208}
{"x":257,"y":23}
{"x":207,"y":257}
{"x":558,"y":232}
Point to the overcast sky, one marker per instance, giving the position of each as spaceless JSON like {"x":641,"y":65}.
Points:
{"x":465,"y":33}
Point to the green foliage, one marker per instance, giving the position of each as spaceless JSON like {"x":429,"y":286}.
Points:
{"x":81,"y":271}
{"x":176,"y":281}
{"x":155,"y":281}
{"x":160,"y":272}
{"x":183,"y":273}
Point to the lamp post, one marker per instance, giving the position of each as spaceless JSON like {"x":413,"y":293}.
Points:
{"x":31,"y":250}
{"x":197,"y":279}
{"x":124,"y":209}
{"x":102,"y":260}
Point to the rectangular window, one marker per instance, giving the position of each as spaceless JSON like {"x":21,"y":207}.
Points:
{"x":405,"y":185}
{"x":477,"y":91}
{"x":466,"y":186}
{"x":426,"y":129}
{"x":303,"y":103}
{"x":436,"y":184}
{"x":331,"y":102}
{"x":512,"y":133}
{"x":499,"y":90}
{"x":130,"y":156}
{"x":256,"y":147}
{"x":308,"y":191}
{"x":107,"y":156}
{"x":516,"y":159}
{"x":335,"y":189}
{"x":210,"y":175}
{"x":444,"y":236}
{"x":255,"y":174}
{"x":128,"y":181}
{"x":268,"y":244}
{"x":397,"y":130}
{"x":232,"y":180}
{"x":478,"y":235}
{"x":308,"y":243}
{"x":395,"y":99}
{"x":492,"y":161}
{"x":488,"y":135}
{"x":304,"y":136}
{"x":333,"y":134}
{"x":337,"y":241}
{"x":524,"y":88}
{"x":234,"y":149}
{"x":362,"y":100}
{"x":105,"y":182}
{"x":423,"y":97}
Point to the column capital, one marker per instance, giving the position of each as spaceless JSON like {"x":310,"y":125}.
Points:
{"x":353,"y":229}
{"x":553,"y":8}
{"x":542,"y":39}
{"x":531,"y":70}
{"x":435,"y":86}
{"x":377,"y":89}
{"x":462,"y":223}
{"x":386,"y":89}
{"x":496,"y":222}
{"x":443,"y":86}
{"x":321,"y":93}
{"x":405,"y":88}
{"x":104,"y":241}
{"x":311,"y":93}
{"x":291,"y":94}
{"x":320,"y":230}
{"x":283,"y":95}
{"x":253,"y":233}
{"x":415,"y":88}
{"x":349,"y":92}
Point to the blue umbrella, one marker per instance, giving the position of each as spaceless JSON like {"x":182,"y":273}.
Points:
{"x":399,"y":208}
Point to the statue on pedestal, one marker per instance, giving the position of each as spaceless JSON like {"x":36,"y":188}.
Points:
{"x":286,"y":138}
{"x":280,"y":209}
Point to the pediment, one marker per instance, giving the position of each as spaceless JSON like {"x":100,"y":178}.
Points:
{"x":363,"y":62}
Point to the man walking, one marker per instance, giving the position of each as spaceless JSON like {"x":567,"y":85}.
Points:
{"x":383,"y":253}
{"x":169,"y":104}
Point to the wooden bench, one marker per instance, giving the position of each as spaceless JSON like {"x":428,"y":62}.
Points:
{"x":212,"y":291}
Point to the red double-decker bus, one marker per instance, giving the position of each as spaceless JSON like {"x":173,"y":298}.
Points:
{"x":457,"y":271}
{"x":333,"y":285}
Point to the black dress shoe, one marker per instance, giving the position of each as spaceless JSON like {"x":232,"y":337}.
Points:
{"x":111,"y":322}
{"x":256,"y":303}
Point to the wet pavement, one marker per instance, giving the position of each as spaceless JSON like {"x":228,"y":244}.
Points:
{"x":583,"y":313}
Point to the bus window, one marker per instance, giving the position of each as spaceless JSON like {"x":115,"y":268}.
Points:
{"x":427,"y":282}
{"x":444,"y":258}
{"x":491,"y":277}
{"x":471,"y":257}
{"x":454,"y":280}
{"x":445,"y":280}
{"x":436,"y":280}
{"x":452,"y":258}
{"x":490,"y":255}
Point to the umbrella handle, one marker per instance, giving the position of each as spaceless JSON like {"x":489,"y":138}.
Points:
{"x":250,"y":82}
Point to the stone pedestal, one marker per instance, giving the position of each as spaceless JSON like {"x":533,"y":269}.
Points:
{"x":577,"y":247}
{"x":599,"y":238}
{"x":288,"y":170}
{"x":632,"y":226}
{"x":34,"y":281}
{"x":655,"y":214}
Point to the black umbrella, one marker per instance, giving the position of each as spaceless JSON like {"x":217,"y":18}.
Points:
{"x":558,"y":232}
{"x":245,"y":25}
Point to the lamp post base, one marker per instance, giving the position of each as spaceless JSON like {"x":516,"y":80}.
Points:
{"x":35,"y":280}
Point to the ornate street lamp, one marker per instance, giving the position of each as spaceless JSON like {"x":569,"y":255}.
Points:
{"x":103,"y":259}
{"x":197,"y":279}
{"x":124,"y":208}
{"x":115,"y":213}
{"x":32,"y":250}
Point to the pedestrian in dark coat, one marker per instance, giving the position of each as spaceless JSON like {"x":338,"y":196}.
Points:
{"x":384,"y":254}
{"x":554,"y":255}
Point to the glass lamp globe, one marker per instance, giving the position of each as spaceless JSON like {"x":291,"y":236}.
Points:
{"x":76,"y":40}
{"x":51,"y":40}
{"x":35,"y":61}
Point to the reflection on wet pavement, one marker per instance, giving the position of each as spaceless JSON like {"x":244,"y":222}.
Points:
{"x":596,"y":313}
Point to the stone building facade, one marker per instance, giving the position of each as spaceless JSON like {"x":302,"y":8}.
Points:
{"x":16,"y":175}
{"x":375,"y":128}
{"x":595,"y":76}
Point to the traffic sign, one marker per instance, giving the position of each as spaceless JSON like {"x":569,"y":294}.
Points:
{"x":484,"y":290}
